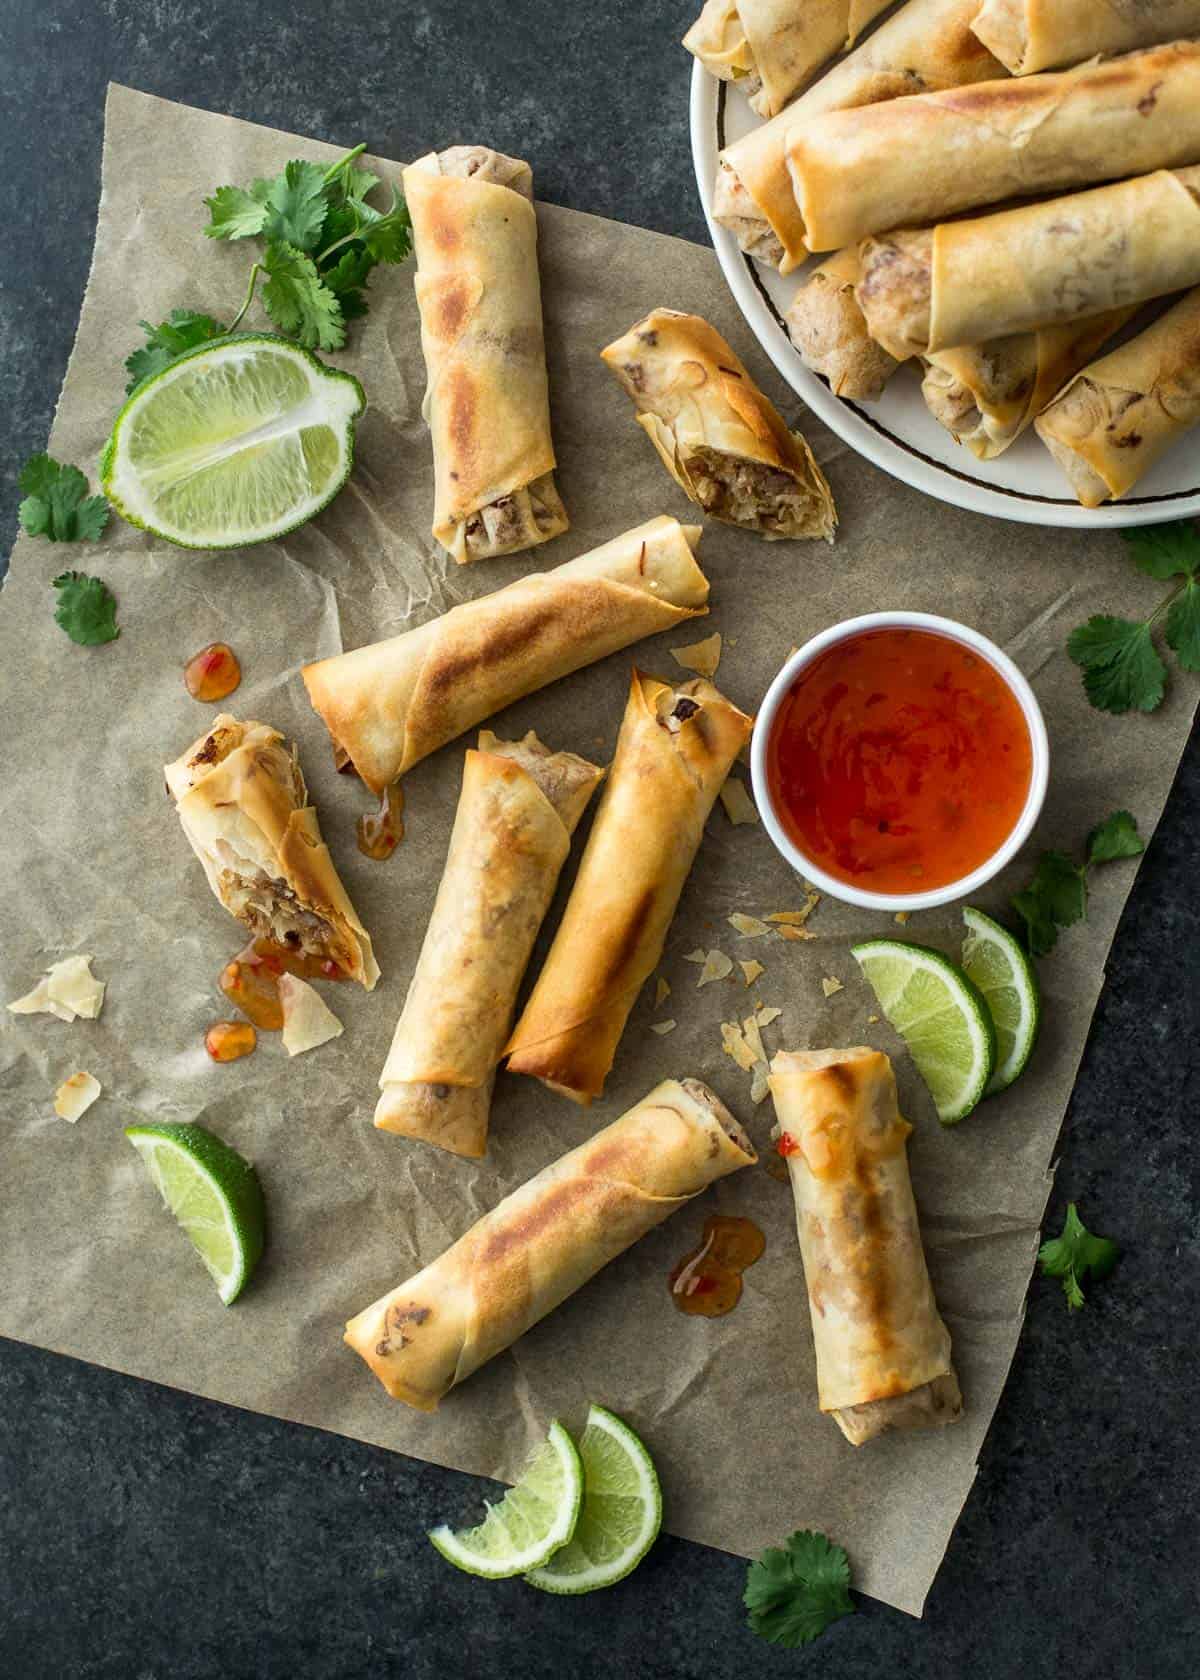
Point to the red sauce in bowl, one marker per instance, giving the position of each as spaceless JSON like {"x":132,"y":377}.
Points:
{"x":900,"y":761}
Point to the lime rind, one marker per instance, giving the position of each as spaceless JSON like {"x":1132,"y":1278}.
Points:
{"x":214,"y":1194}
{"x":525,"y":1528}
{"x":995,"y":962}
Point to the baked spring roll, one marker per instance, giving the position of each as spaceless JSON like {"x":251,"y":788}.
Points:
{"x":389,"y":704}
{"x":987,"y":395}
{"x":773,"y":48}
{"x":518,"y":809}
{"x":1041,"y":265}
{"x":487,"y":400}
{"x":241,"y":799}
{"x":720,"y":438}
{"x":883,"y":1352}
{"x":912,"y":161}
{"x":829,"y":330}
{"x":674,"y":750}
{"x":546,"y":1240}
{"x":926,"y":45}
{"x":1030,"y":35}
{"x":1119,"y":415}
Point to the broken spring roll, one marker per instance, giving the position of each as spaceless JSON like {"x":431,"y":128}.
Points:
{"x":926,"y":45}
{"x":1121,"y":414}
{"x":720,"y":438}
{"x":883,"y":1352}
{"x":987,"y":395}
{"x":240,"y":796}
{"x":1029,"y":35}
{"x":773,"y":48}
{"x":546,"y":1240}
{"x":909,"y":162}
{"x":389,"y":704}
{"x":487,"y":400}
{"x":830,"y":331}
{"x":518,"y":809}
{"x":1041,"y":265}
{"x":675,"y":749}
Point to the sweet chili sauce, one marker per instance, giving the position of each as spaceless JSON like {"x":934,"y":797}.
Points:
{"x":707,"y":1282}
{"x":900,"y":760}
{"x":251,"y":980}
{"x":213,"y":673}
{"x":229,"y":1041}
{"x":380,"y":832}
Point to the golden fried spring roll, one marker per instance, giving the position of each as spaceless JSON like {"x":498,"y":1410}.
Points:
{"x":1037,"y":266}
{"x":773,"y":48}
{"x":720,"y":438}
{"x":883,"y":1353}
{"x":674,"y":750}
{"x":1030,"y":35}
{"x":241,"y":799}
{"x":518,"y":808}
{"x":829,"y":330}
{"x":1119,"y":415}
{"x":546,"y":1240}
{"x":487,"y":400}
{"x":912,"y":161}
{"x":986,"y":395}
{"x":926,"y":45}
{"x":389,"y":704}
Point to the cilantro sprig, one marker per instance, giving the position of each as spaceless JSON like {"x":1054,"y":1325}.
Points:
{"x":86,"y":610}
{"x":1123,"y":669}
{"x":183,"y":330}
{"x":794,"y":1592}
{"x":1077,"y":1254}
{"x":57,"y":504}
{"x":320,"y":237}
{"x":1057,"y":897}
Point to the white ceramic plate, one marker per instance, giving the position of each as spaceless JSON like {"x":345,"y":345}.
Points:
{"x":897,"y":432}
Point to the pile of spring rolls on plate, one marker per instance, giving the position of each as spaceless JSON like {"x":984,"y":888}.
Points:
{"x":883,"y":1352}
{"x":1005,"y":193}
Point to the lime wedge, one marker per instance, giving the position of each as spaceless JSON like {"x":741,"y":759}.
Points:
{"x":236,"y":442}
{"x":999,"y":967}
{"x":939,"y":1014}
{"x":531,"y":1522}
{"x":215,"y":1195}
{"x":621,"y":1515}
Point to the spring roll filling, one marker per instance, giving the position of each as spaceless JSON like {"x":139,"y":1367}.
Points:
{"x":750,"y":493}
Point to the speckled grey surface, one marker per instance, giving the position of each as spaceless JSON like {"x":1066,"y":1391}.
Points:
{"x":146,"y":1534}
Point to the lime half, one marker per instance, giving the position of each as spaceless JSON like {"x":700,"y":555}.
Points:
{"x":621,"y":1516}
{"x":1004,"y":974}
{"x":939,"y":1014}
{"x":530,"y":1523}
{"x":215,"y":1195}
{"x":236,"y":442}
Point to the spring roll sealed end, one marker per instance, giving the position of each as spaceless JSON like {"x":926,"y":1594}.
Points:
{"x":453,"y":1117}
{"x":773,"y":48}
{"x":829,"y":330}
{"x":721,"y":439}
{"x":1031,"y":35}
{"x":240,"y":795}
{"x":546,"y":1240}
{"x":883,"y":1352}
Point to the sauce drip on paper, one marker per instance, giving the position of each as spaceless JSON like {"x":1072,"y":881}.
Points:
{"x":213,"y":673}
{"x":381,"y":831}
{"x":228,"y":1041}
{"x":251,"y":980}
{"x":707,"y":1282}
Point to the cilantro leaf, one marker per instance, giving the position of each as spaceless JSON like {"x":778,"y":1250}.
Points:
{"x":389,"y":237}
{"x":296,"y":206}
{"x":298,"y":302}
{"x":183,"y":330}
{"x":1164,"y":551}
{"x":1077,"y":1254}
{"x":358,"y":183}
{"x":1116,"y":837}
{"x":793,"y":1594}
{"x":1122,"y":670}
{"x":1056,"y":897}
{"x":236,"y":213}
{"x":1183,"y":626}
{"x":86,"y":609}
{"x":57,"y":504}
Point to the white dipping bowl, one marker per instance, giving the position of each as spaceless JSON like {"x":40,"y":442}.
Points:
{"x":781,"y":687}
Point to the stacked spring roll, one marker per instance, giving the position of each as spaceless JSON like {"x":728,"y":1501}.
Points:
{"x":1119,"y":415}
{"x":546,"y":1240}
{"x":675,"y":749}
{"x":389,"y":704}
{"x":518,"y":809}
{"x":487,"y":401}
{"x":829,"y":330}
{"x":720,"y":438}
{"x":883,"y":1352}
{"x":1030,"y":35}
{"x":772,"y":48}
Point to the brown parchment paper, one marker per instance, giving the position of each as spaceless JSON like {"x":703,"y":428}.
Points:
{"x":94,"y":860}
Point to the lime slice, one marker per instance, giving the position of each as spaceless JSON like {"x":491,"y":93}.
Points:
{"x":939,"y":1014}
{"x":621,"y":1516}
{"x":532,"y":1521}
{"x":999,"y":967}
{"x":236,"y":442}
{"x":215,"y":1195}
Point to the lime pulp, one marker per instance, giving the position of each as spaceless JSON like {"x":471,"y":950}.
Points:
{"x":621,"y":1515}
{"x":993,"y":959}
{"x":535,"y":1517}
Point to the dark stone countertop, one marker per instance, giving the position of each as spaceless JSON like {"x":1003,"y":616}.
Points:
{"x":148,"y":1534}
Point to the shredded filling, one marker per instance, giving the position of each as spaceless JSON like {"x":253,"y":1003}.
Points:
{"x":515,"y":521}
{"x":749,"y":493}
